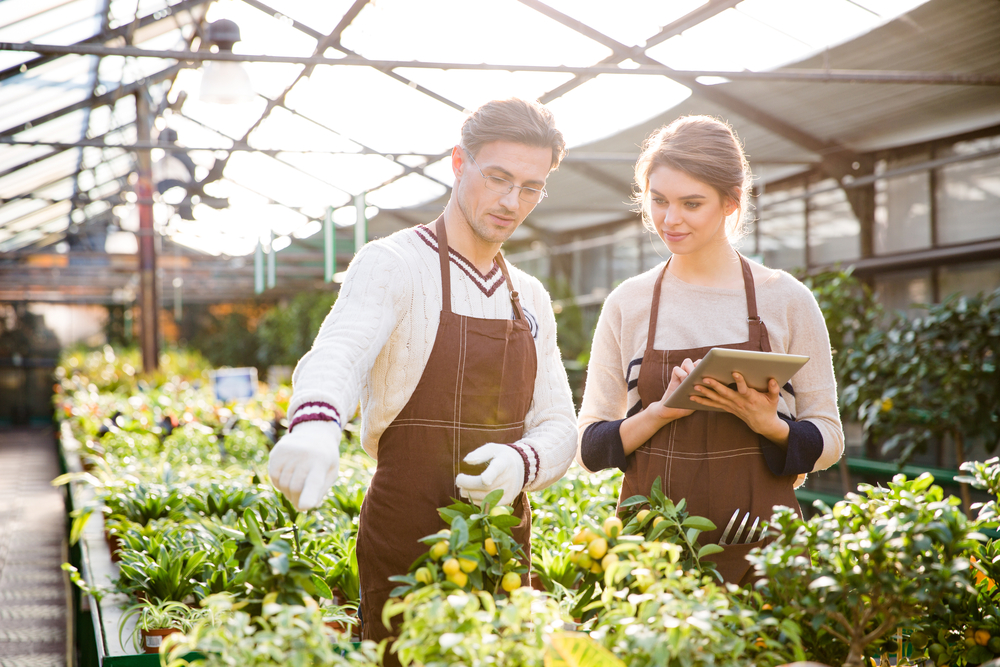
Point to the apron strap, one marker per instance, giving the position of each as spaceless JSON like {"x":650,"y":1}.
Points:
{"x":654,"y":311}
{"x":442,"y":239}
{"x":510,"y":286}
{"x":758,"y":332}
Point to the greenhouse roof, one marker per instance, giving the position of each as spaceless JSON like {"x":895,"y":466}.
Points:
{"x":367,"y":97}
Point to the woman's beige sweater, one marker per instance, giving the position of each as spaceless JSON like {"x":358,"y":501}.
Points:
{"x":692,"y":316}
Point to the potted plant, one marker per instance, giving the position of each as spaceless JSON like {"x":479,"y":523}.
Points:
{"x":154,"y":621}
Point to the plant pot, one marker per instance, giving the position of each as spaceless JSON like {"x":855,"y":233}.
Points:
{"x":114,"y":546}
{"x":348,"y":628}
{"x":153,"y":639}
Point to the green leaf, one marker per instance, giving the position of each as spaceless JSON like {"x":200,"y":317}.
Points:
{"x":709,"y":549}
{"x":493,"y":498}
{"x":459,"y":534}
{"x":580,"y":650}
{"x":635,"y":500}
{"x":505,"y":521}
{"x":699,"y":522}
{"x":321,"y":588}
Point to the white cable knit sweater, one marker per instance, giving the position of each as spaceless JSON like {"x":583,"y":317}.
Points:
{"x":375,"y":343}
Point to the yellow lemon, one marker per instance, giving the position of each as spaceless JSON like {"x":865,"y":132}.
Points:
{"x":467,"y":564}
{"x":596,"y":568}
{"x":657,"y":520}
{"x":490,"y":546}
{"x":460,"y":579}
{"x":598,"y":548}
{"x":580,"y":537}
{"x":641,"y":516}
{"x":510,"y":581}
{"x":609,"y":560}
{"x":612,"y":526}
{"x":423,"y":575}
{"x":500,"y":510}
{"x":451,"y":566}
{"x":439,"y":550}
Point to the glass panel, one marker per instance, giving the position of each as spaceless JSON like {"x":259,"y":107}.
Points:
{"x":968,"y":197}
{"x":385,"y":30}
{"x":654,"y":252}
{"x":410,"y":190}
{"x":282,"y":183}
{"x":625,"y":256}
{"x":969,"y":279}
{"x":591,"y":271}
{"x":900,"y":290}
{"x":783,"y":229}
{"x":834,"y":231}
{"x":902,"y":211}
{"x":366,"y":110}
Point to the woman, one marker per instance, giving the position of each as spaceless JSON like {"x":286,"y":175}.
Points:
{"x":693,"y":182}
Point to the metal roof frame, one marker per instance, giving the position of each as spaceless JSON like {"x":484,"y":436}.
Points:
{"x":834,"y":158}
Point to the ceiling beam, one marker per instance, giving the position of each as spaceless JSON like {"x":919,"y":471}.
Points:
{"x":652,"y":68}
{"x":108,"y":35}
{"x":693,"y":18}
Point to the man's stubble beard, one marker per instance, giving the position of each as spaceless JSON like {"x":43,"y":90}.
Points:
{"x":482,"y":230}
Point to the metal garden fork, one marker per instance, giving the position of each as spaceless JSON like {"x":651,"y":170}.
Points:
{"x":738,"y":537}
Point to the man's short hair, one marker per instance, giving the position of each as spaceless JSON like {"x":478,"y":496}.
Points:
{"x":516,"y":120}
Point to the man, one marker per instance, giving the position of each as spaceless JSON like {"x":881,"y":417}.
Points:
{"x":452,"y":355}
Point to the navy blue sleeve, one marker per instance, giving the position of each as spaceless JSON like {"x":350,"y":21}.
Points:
{"x":602,"y":447}
{"x":805,"y":444}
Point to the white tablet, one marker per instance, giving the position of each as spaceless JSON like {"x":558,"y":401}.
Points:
{"x":720,"y":363}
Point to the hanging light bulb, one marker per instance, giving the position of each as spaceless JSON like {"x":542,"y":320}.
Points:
{"x":224,"y":82}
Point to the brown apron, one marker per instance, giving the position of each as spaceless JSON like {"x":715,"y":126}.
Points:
{"x":476,"y":389}
{"x":713,"y":459}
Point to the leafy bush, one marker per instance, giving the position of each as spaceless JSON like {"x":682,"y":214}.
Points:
{"x":880,"y":559}
{"x":444,"y":626}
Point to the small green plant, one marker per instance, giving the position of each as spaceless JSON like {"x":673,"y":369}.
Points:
{"x":652,"y":612}
{"x":157,"y":616}
{"x":442,"y":625}
{"x":281,"y":635}
{"x":478,"y":552}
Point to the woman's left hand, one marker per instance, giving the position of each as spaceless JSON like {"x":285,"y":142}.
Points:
{"x":758,"y":409}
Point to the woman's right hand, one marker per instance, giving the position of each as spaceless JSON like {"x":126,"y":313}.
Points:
{"x":640,"y":427}
{"x":677,"y":375}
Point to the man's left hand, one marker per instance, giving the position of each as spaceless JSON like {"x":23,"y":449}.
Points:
{"x":505,"y":471}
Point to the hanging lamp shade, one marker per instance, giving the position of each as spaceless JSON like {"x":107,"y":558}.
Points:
{"x":224,"y":82}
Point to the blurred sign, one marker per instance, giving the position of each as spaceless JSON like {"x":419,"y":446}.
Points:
{"x":234,"y":384}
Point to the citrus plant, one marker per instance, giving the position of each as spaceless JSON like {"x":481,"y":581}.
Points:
{"x":477,"y":553}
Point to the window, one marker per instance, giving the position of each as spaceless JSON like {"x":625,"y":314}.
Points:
{"x":968,"y":196}
{"x":834,"y":231}
{"x":969,"y":279}
{"x":902,"y":210}
{"x":782,"y":229}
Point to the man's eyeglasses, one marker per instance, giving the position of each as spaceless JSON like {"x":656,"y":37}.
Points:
{"x":503,"y":186}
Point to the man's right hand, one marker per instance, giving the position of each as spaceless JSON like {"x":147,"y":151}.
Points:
{"x":304,"y":464}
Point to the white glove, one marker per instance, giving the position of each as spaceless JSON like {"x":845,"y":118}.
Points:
{"x":505,"y":471}
{"x":304,"y":464}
